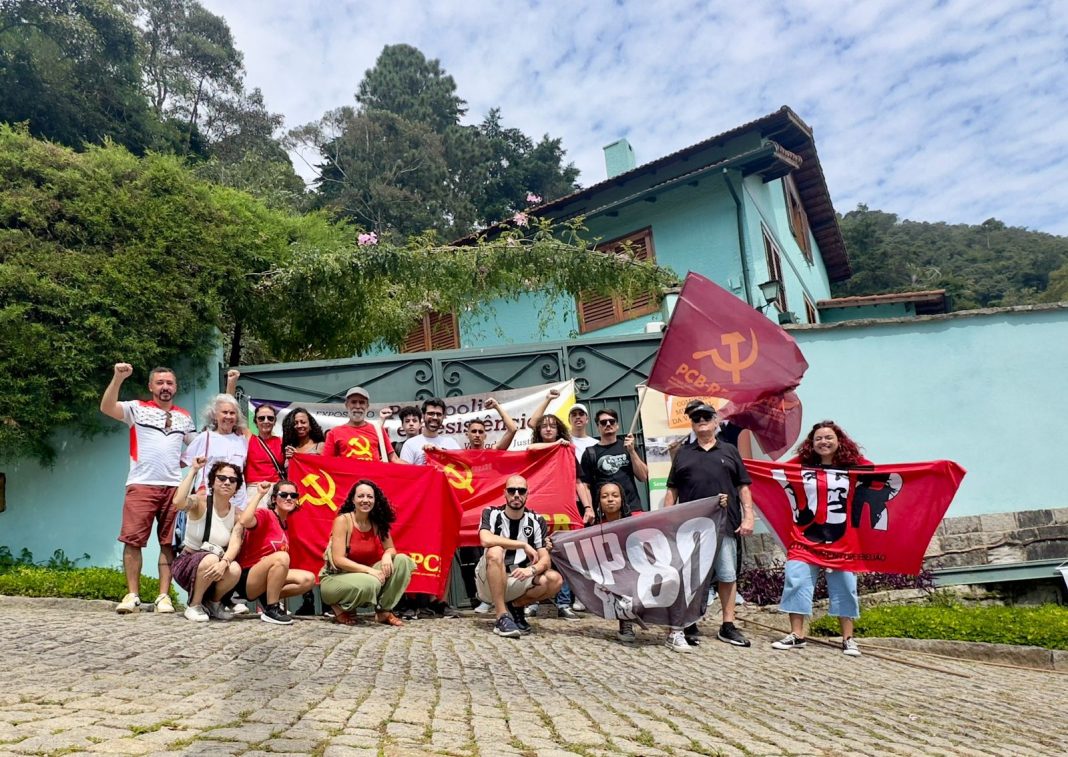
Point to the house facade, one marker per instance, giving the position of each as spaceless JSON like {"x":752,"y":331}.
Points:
{"x":743,"y":208}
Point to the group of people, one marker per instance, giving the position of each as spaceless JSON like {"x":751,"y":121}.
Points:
{"x":236,"y":500}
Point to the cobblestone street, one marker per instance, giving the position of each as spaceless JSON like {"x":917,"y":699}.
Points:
{"x":79,"y":679}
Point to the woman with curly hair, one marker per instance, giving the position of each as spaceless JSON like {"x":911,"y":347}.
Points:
{"x":301,"y":433}
{"x":826,"y":446}
{"x":362,"y":567}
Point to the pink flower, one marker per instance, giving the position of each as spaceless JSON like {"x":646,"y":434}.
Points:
{"x":520,"y":219}
{"x":367,"y":239}
{"x":532,"y":198}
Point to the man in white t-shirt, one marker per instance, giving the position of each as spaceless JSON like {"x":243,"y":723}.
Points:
{"x":414,"y":450}
{"x":158,"y":429}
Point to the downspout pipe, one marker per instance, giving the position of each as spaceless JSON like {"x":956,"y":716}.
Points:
{"x":743,"y":245}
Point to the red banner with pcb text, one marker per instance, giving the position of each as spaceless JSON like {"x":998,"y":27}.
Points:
{"x":427,"y":524}
{"x":879,"y":519}
{"x":476,"y":479}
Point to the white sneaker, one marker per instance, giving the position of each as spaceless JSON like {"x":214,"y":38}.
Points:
{"x":849,"y":647}
{"x":218,"y":611}
{"x":196,"y":613}
{"x":531,"y":611}
{"x":484,"y":608}
{"x":676,"y":642}
{"x":130,"y":603}
{"x":577,"y":606}
{"x":239,"y":608}
{"x":163,"y":604}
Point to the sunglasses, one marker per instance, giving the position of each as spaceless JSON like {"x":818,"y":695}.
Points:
{"x":264,"y":417}
{"x":701,"y":417}
{"x":226,"y":479}
{"x":607,"y":422}
{"x":286,"y":495}
{"x":516,"y":489}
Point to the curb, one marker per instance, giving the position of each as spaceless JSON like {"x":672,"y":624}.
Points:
{"x":65,"y":603}
{"x":1030,"y":657}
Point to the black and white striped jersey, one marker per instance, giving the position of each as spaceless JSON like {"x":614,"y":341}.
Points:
{"x":530,"y":528}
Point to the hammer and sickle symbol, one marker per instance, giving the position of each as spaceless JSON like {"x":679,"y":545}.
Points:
{"x":457,"y":479}
{"x":736,"y":364}
{"x":360,"y":448}
{"x":326,"y":497}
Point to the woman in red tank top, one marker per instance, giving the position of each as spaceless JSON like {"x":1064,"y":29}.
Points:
{"x":362,"y":567}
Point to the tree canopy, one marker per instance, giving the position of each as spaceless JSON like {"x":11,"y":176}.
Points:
{"x":984,"y":265}
{"x":105,"y":256}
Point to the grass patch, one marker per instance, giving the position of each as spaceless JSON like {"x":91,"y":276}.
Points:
{"x":1044,"y":626}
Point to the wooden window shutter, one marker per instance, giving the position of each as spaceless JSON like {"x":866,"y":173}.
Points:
{"x":597,"y":312}
{"x":797,"y":216}
{"x":774,"y":260}
{"x":436,"y":331}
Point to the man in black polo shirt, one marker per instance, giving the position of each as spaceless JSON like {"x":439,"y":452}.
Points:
{"x":707,"y":467}
{"x":515,"y":570}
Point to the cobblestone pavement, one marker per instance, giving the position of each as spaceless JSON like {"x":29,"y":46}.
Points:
{"x":88,"y":681}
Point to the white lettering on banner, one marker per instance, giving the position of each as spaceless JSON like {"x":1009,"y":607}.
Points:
{"x":600,"y":567}
{"x":649,"y":553}
{"x":696,"y":536}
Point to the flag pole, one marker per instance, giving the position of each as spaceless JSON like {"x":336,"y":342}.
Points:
{"x":638,"y":410}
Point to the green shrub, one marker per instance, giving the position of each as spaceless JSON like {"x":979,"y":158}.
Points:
{"x":1045,"y":626}
{"x":77,"y":583}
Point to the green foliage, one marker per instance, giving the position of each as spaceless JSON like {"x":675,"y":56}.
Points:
{"x":405,"y":83}
{"x":58,"y":560}
{"x":988,"y":265}
{"x":105,"y":257}
{"x":71,"y":69}
{"x":76,"y":583}
{"x":1045,"y":626}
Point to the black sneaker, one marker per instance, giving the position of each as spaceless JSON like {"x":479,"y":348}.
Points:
{"x":506,"y":627}
{"x":731,"y":635}
{"x":520,"y":619}
{"x":307,"y":606}
{"x":789,"y":641}
{"x":272,"y":614}
{"x":691,"y":633}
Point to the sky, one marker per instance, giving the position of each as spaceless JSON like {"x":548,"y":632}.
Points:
{"x":954,"y":110}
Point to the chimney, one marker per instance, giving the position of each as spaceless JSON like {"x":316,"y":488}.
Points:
{"x":618,"y":158}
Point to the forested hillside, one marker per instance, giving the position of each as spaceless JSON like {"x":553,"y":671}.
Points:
{"x":986,"y":265}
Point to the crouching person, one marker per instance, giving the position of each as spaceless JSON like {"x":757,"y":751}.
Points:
{"x":264,"y":555}
{"x":361,"y":565}
{"x":207,"y":568}
{"x":514,"y":571}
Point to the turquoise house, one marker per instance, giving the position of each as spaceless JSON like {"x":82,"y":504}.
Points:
{"x":746,"y":208}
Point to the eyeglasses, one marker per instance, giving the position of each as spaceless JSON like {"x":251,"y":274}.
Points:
{"x":607,"y":422}
{"x":516,"y":489}
{"x":287,"y":495}
{"x":226,"y":479}
{"x":264,"y":417}
{"x":434,"y":414}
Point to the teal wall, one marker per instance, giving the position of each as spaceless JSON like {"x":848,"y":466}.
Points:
{"x":76,"y":505}
{"x":987,"y":391}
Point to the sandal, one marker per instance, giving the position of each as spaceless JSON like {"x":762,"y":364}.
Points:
{"x":387,"y":618}
{"x":343,"y":618}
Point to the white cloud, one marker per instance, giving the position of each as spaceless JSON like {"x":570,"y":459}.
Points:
{"x":949,"y":110}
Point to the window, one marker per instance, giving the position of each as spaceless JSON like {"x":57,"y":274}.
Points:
{"x":596,"y":312}
{"x":798,"y":218}
{"x":774,"y":258}
{"x":437,"y":331}
{"x":810,"y":311}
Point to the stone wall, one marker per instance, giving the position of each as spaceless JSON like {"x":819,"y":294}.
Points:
{"x":998,"y":539}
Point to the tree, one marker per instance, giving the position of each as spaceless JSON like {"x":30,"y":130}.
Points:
{"x":107,"y":257}
{"x":70,"y":68}
{"x":405,"y":83}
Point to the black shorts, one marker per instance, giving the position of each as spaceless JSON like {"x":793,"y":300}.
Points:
{"x":242,"y":585}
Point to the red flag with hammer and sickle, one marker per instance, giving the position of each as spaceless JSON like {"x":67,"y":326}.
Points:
{"x":477,"y":477}
{"x":718,"y":345}
{"x":427,"y":524}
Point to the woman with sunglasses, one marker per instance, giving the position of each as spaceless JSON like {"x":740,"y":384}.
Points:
{"x":265,"y":461}
{"x":826,"y":446}
{"x":301,"y":433}
{"x":264,"y":555}
{"x":362,"y":567}
{"x":207,"y":568}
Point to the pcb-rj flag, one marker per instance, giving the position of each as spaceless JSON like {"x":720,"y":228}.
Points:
{"x":877,"y":519}
{"x":427,"y":517}
{"x":718,"y":345}
{"x":477,"y":478}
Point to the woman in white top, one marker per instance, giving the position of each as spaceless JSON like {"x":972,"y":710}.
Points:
{"x":223,"y":439}
{"x":207,"y":559}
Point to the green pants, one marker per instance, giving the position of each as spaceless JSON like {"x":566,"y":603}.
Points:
{"x":352,"y":590}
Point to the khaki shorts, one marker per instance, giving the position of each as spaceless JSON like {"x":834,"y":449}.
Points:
{"x":514,"y":588}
